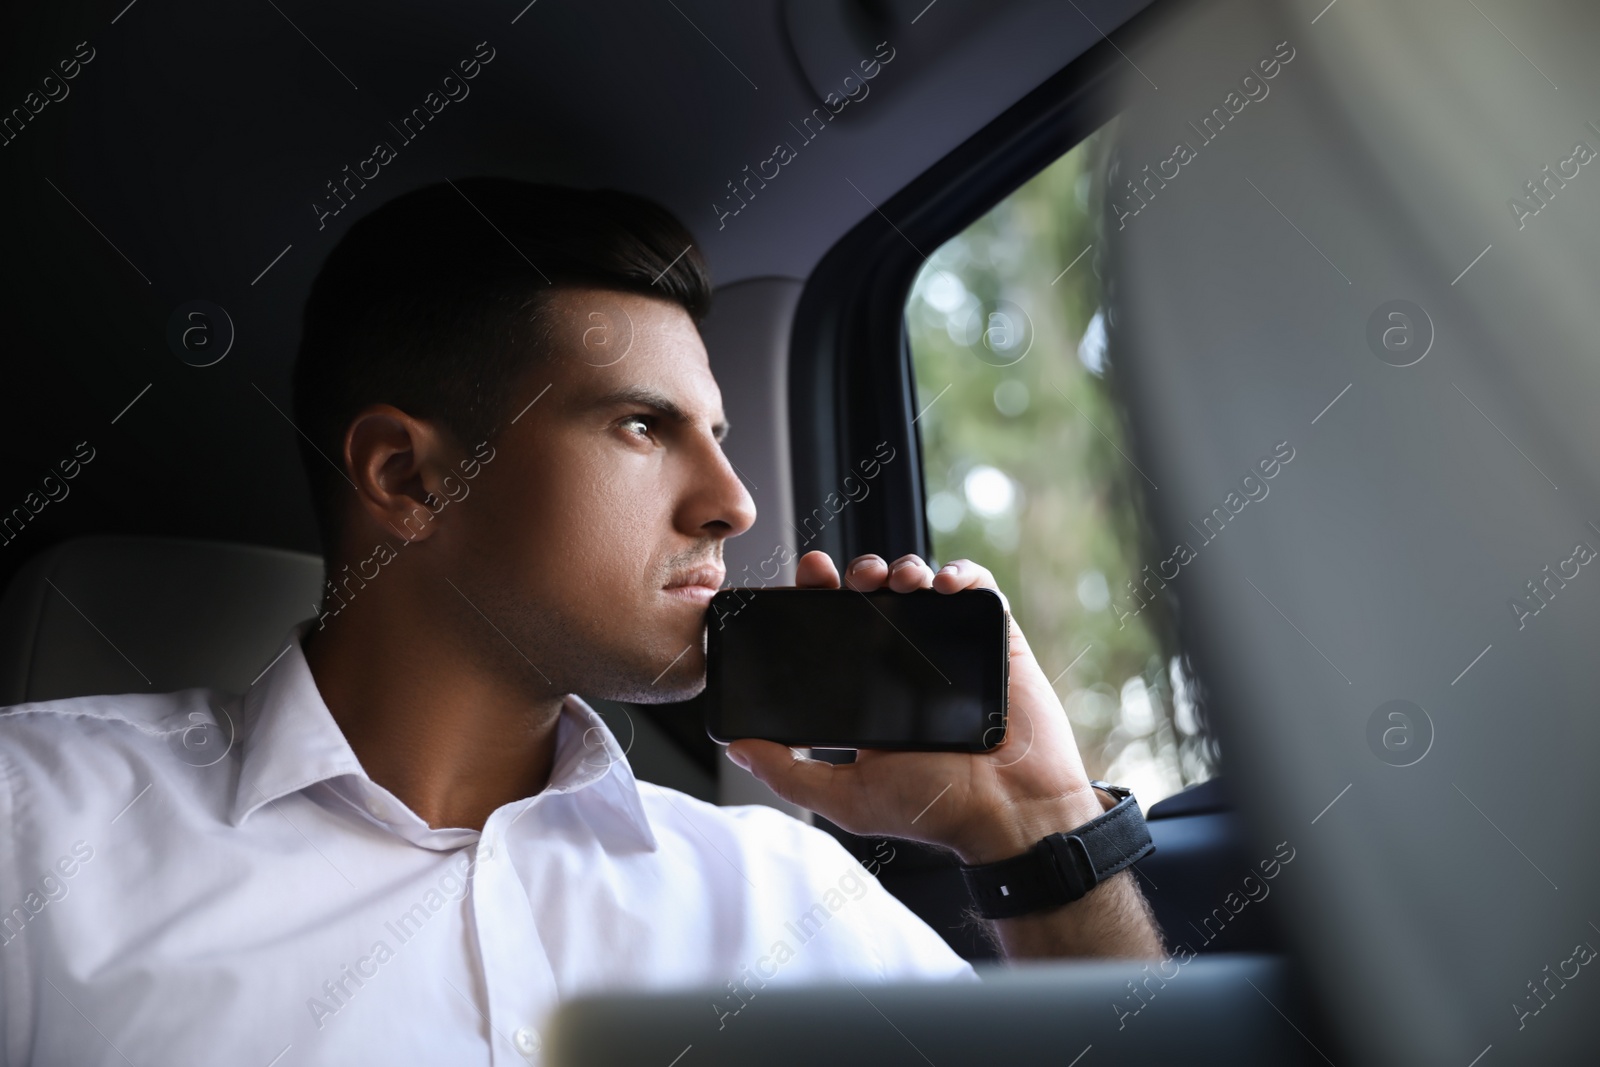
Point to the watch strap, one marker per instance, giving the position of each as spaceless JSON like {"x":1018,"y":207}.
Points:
{"x":1062,"y":867}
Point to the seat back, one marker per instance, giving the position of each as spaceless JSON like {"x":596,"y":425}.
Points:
{"x":148,"y":615}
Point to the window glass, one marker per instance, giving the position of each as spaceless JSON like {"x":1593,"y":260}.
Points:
{"x":1029,"y":471}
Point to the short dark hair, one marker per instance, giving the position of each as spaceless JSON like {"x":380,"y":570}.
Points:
{"x":432,"y":303}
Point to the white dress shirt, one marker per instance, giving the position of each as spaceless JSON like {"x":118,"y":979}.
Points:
{"x":178,"y":891}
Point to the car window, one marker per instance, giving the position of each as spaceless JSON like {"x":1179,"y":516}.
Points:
{"x":1029,"y":471}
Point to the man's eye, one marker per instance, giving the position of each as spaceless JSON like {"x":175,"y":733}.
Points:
{"x":644,"y":422}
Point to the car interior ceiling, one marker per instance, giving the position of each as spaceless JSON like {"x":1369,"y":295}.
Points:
{"x":207,"y":166}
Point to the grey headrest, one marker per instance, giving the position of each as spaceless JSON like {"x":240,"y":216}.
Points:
{"x":99,"y":615}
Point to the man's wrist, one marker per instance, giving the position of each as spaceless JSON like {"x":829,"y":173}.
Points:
{"x":1018,"y":829}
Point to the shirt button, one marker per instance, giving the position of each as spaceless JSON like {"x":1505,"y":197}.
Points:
{"x":527,"y":1041}
{"x":379,"y":809}
{"x":486,"y":851}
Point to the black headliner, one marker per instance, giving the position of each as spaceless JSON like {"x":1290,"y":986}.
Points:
{"x":185,"y":161}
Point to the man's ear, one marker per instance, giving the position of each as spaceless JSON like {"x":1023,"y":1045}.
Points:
{"x":398,"y":463}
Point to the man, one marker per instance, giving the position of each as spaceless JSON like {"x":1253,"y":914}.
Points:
{"x":417,"y":840}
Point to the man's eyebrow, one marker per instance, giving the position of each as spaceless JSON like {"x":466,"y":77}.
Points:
{"x":659,"y":402}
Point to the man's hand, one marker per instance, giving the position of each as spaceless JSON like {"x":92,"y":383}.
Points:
{"x":985,"y":806}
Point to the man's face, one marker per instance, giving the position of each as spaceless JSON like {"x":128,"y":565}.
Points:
{"x":609,"y":488}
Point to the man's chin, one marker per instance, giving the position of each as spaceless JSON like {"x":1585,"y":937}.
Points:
{"x":680,"y":679}
{"x":667,"y":690}
{"x":670,"y":691}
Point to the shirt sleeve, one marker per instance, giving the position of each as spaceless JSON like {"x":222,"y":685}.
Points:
{"x":908,"y":947}
{"x":11,"y":980}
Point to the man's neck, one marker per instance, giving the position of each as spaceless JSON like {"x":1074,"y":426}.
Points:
{"x":452,"y":740}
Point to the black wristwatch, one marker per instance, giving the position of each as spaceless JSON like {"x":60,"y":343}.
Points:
{"x":1063,"y":866}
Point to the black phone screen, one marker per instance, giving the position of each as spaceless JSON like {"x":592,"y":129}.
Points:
{"x":836,"y":668}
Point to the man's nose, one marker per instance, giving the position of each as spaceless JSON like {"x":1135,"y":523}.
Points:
{"x":729,"y":507}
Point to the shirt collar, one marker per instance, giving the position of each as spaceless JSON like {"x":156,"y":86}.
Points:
{"x":290,"y":741}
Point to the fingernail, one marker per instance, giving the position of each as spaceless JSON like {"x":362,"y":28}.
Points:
{"x":739,"y":759}
{"x":857,"y":565}
{"x":948,"y":568}
{"x":900,"y":566}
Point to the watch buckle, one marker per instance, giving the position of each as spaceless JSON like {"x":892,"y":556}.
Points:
{"x":1071,"y":856}
{"x":1121,"y":792}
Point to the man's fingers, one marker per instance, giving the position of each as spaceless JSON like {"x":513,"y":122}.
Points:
{"x":870,"y":571}
{"x":813,"y":784}
{"x":964,"y":574}
{"x":866,"y":573}
{"x":961,"y":574}
{"x":908,"y":573}
{"x":816,"y":571}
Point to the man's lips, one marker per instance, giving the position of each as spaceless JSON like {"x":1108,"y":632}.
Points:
{"x":697,"y":585}
{"x":699,"y":594}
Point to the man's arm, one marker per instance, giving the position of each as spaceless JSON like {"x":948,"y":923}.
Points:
{"x":1112,"y":919}
{"x":985,"y":806}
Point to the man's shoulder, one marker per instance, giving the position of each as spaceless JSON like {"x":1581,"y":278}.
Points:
{"x":758,"y":824}
{"x":744,"y":819}
{"x":805,"y":871}
{"x":149,"y":713}
{"x":53,"y":735}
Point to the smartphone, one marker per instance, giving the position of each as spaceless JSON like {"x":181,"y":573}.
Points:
{"x":839,"y":668}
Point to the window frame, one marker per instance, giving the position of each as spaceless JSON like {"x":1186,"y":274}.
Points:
{"x":844,"y":397}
